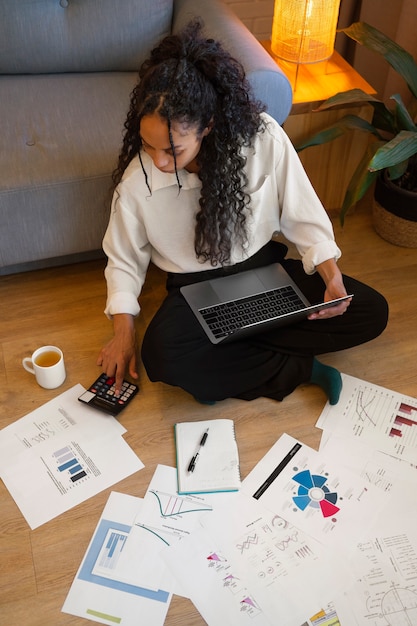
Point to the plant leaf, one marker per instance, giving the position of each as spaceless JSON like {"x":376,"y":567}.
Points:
{"x":394,"y":54}
{"x":351,"y":96}
{"x":383,"y":119}
{"x":346,"y":123}
{"x":361,"y":180}
{"x":395,"y":151}
{"x":396,"y":171}
{"x":405,"y":121}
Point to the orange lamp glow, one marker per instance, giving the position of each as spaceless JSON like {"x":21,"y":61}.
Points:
{"x":303,"y":31}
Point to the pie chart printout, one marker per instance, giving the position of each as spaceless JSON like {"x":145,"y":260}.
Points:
{"x":313,"y":492}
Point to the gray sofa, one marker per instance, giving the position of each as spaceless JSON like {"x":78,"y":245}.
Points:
{"x":67,"y":68}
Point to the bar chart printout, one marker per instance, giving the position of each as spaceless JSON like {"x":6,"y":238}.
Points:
{"x":406,"y":417}
{"x":375,"y":414}
{"x":69,"y":465}
{"x":61,"y":454}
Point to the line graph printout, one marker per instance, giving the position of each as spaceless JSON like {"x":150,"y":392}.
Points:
{"x":164,"y":519}
{"x":383,"y":418}
{"x":169,"y":515}
{"x":385,"y":591}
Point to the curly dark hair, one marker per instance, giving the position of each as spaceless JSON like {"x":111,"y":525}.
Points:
{"x":193,"y":80}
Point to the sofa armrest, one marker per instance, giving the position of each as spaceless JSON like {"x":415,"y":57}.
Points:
{"x":269,"y":83}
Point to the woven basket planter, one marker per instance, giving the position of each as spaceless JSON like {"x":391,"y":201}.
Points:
{"x":394,"y":213}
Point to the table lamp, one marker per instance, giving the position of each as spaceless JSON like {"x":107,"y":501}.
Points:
{"x":304,"y":31}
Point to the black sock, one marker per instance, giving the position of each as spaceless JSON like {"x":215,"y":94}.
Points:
{"x":328,"y":378}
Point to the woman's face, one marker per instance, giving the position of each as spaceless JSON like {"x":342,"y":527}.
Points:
{"x":186,"y":141}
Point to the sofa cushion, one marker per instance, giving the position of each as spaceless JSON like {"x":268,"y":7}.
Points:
{"x":50,"y":36}
{"x":61,"y":126}
{"x":63,"y":136}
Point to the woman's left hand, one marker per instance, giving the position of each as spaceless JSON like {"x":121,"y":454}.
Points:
{"x":335,"y":288}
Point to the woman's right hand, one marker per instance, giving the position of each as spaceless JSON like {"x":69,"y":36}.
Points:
{"x":119,"y":354}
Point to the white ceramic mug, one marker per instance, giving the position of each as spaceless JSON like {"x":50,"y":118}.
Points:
{"x":47,"y":364}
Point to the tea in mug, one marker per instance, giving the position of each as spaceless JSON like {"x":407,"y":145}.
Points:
{"x":47,"y":358}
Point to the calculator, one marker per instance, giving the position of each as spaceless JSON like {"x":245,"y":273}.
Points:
{"x":101,"y":395}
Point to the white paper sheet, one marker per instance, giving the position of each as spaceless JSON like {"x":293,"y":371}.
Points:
{"x":386,"y":472}
{"x":96,"y":592}
{"x":384,"y":419}
{"x":385,"y":566}
{"x":384,"y":561}
{"x":249,"y":566}
{"x":290,"y":574}
{"x":324,"y":500}
{"x":164,"y":519}
{"x":74,"y":456}
{"x":63,"y":414}
{"x":211,"y":582}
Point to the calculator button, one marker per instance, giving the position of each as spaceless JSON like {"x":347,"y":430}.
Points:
{"x":103,"y":394}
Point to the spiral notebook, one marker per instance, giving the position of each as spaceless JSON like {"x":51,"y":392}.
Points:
{"x":207,"y":456}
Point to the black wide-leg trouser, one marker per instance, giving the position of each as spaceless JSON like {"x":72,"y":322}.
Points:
{"x":176,"y":351}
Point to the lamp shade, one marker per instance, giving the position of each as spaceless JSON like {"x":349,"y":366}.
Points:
{"x":303,"y":31}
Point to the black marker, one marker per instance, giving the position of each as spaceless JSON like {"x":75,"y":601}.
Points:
{"x":193,"y":461}
{"x":268,"y":482}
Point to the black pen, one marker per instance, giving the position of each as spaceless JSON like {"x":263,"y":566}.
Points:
{"x":193,"y":461}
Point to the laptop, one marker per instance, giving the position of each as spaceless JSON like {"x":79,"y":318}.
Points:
{"x":231,"y":307}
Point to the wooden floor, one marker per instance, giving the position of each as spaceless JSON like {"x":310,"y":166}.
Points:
{"x":63,"y":306}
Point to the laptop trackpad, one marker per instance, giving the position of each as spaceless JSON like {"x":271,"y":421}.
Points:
{"x":237,"y":286}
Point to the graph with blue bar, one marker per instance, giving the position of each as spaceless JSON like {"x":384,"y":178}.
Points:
{"x":69,"y":465}
{"x":112,"y":549}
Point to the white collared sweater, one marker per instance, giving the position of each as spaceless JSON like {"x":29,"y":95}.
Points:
{"x":159,"y":226}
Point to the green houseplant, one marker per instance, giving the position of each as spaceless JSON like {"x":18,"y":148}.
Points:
{"x":391,"y":155}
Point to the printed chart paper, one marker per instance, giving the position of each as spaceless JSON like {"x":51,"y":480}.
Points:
{"x":164,"y":518}
{"x":252,"y":568}
{"x":62,"y":415}
{"x":210,"y":581}
{"x":288,"y":572}
{"x":174,"y":520}
{"x":388,"y":473}
{"x":324,"y":500}
{"x":385,"y":592}
{"x":97,"y":593}
{"x":383,"y":418}
{"x":62,"y":455}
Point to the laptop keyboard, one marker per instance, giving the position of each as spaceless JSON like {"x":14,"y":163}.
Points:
{"x":227,"y":317}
